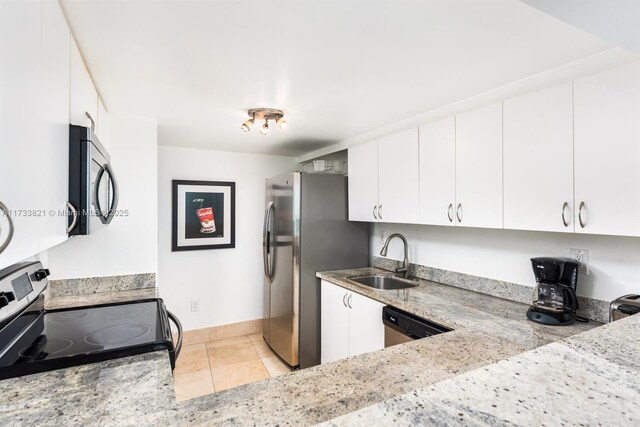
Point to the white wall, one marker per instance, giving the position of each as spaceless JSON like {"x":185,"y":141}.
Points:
{"x":129,"y":244}
{"x":614,"y":21}
{"x":504,"y":255}
{"x":227,"y":282}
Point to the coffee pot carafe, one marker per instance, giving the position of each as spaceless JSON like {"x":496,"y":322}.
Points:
{"x":554,"y":299}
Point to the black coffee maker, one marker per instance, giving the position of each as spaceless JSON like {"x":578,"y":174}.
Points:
{"x":554,"y":297}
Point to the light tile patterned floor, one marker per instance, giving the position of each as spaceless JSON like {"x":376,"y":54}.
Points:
{"x":218,"y":365}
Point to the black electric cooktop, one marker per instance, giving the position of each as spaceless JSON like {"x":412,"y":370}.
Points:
{"x":53,"y":339}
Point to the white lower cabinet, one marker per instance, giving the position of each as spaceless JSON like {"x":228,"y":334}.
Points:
{"x":351,"y":323}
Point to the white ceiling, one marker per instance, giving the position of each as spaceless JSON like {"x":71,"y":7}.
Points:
{"x":338,"y":68}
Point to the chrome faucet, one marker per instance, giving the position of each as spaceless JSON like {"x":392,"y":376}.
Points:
{"x":405,"y":264}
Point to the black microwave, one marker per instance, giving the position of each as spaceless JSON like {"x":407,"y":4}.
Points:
{"x":93,"y":187}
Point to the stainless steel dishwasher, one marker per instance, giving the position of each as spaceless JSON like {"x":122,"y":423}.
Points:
{"x":401,"y":327}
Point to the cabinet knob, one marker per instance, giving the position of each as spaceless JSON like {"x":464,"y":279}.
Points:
{"x":459,"y":212}
{"x":375,"y":211}
{"x":450,"y":212}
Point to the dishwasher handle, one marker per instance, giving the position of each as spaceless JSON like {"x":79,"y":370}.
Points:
{"x":409,"y":324}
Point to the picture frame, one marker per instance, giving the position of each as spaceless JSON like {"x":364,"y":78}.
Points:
{"x":203,"y":215}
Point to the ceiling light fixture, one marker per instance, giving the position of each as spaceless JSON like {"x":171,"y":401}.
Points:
{"x":265,"y":114}
{"x":246,"y":126}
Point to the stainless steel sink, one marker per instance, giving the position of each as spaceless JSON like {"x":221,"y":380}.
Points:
{"x":379,"y":281}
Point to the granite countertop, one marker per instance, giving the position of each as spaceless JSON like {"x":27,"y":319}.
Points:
{"x":486,"y":330}
{"x":589,"y":379}
{"x":64,"y":301}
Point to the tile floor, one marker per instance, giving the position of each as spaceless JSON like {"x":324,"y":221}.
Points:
{"x":218,"y":365}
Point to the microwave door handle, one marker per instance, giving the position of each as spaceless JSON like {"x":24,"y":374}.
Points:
{"x":96,"y":199}
{"x":116,"y":194}
{"x":6,"y":213}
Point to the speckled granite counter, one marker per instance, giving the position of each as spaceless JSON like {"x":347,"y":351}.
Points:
{"x":487,"y":330}
{"x":53,"y":302}
{"x":589,"y":379}
{"x":461,"y":309}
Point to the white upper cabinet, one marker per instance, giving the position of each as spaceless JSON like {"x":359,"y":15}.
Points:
{"x":538,"y":161}
{"x":437,"y":172}
{"x":21,"y":126}
{"x":83,"y":95}
{"x":34,"y":117}
{"x":383,"y":179}
{"x":363,"y":182}
{"x":478,"y":167}
{"x":607,"y":152}
{"x":398,"y":191}
{"x":54,"y":153}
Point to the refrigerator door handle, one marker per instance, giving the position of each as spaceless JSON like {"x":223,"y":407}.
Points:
{"x":267,"y":253}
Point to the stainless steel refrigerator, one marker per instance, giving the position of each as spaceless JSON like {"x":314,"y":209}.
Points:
{"x":305,"y":231}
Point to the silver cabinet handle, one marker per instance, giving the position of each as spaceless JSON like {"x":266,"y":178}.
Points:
{"x":450,"y":212}
{"x":380,"y":211}
{"x":343,"y":299}
{"x":375,"y":211}
{"x":459,"y":212}
{"x":4,"y":245}
{"x":93,"y":124}
{"x":349,"y":301}
{"x":564,"y":208}
{"x":74,"y":213}
{"x":582,"y":205}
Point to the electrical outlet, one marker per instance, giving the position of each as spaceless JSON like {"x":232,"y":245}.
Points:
{"x":195,"y":305}
{"x":582,"y":256}
{"x":382,"y":235}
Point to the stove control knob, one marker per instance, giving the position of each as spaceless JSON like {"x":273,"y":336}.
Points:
{"x":6,"y":298}
{"x":10,"y":296}
{"x":42,"y":273}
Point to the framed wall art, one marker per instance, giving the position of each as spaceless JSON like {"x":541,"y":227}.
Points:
{"x":204,"y":214}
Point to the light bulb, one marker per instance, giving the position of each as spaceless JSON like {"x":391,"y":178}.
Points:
{"x":264,"y":129}
{"x":282,"y":123}
{"x":246,"y":126}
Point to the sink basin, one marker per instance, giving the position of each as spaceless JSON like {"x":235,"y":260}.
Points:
{"x":378,"y":281}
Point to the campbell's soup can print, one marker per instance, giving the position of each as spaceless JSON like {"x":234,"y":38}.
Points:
{"x":205,"y":215}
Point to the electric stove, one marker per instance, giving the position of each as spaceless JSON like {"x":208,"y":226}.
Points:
{"x":33,"y":339}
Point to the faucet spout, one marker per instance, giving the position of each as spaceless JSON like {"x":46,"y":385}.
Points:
{"x":405,"y":263}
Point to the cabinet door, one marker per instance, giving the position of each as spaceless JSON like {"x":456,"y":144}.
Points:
{"x":398,"y":183}
{"x":437,"y":172}
{"x":21,"y":126}
{"x":334,"y":323}
{"x":607,"y":152}
{"x":479,"y":167}
{"x":363,"y":182}
{"x":83,"y":96}
{"x":366,"y":330}
{"x":53,"y":156}
{"x":538,"y":160}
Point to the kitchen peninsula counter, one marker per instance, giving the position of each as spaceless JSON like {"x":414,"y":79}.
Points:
{"x":139,"y":390}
